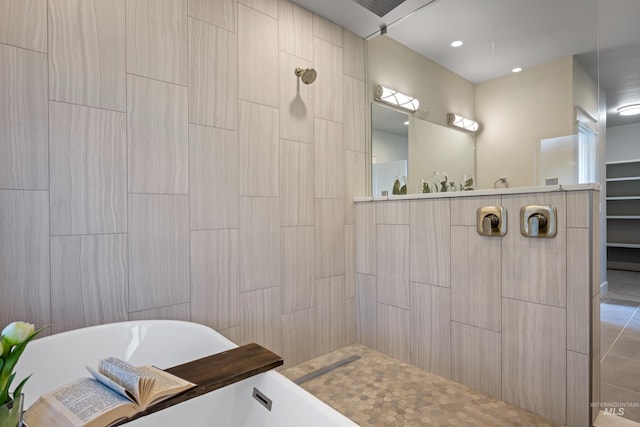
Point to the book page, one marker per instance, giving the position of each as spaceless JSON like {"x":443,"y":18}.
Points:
{"x":124,"y":374}
{"x":165,"y":384}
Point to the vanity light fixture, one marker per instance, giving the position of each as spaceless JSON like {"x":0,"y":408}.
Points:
{"x":629,"y":110}
{"x":395,"y":98}
{"x":462,"y":122}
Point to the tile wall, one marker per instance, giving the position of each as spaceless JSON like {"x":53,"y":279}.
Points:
{"x":160,"y":159}
{"x":509,"y":316}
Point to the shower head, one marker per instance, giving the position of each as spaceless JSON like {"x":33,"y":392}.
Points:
{"x":308,"y":75}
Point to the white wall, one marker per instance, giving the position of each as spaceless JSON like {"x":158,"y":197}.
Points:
{"x":388,"y":147}
{"x":623,"y":142}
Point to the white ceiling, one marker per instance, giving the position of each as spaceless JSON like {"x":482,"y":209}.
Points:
{"x":499,"y":35}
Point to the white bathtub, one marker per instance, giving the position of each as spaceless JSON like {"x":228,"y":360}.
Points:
{"x":61,"y":358}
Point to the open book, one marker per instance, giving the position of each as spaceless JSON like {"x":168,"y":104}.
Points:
{"x":117,"y":391}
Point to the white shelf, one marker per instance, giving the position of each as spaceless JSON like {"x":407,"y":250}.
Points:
{"x":623,"y":227}
{"x":622,"y":162}
{"x":626,"y":178}
{"x":624,"y":198}
{"x":623,"y":217}
{"x":624,"y":245}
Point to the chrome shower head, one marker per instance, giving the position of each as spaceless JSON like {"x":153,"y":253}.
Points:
{"x":307,"y":75}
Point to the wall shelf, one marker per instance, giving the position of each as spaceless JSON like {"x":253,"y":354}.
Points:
{"x":623,"y":215}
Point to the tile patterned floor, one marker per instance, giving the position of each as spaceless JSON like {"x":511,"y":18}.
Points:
{"x":378,"y":390}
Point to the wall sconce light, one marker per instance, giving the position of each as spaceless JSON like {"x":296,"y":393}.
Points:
{"x":462,"y":122}
{"x":395,"y":98}
{"x":629,"y":110}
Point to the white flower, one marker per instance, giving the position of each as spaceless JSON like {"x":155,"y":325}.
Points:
{"x":17,"y":332}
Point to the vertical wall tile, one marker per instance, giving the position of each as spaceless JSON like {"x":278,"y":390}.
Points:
{"x":393,"y":332}
{"x":232,"y":334}
{"x":172,"y":312}
{"x":330,"y":314}
{"x":430,"y":329}
{"x":578,"y":389}
{"x":299,"y":336}
{"x":260,"y":320}
{"x":464,"y":211}
{"x":392,"y":212}
{"x":328,"y":159}
{"x":158,"y":251}
{"x":295,"y":100}
{"x":296,"y":183}
{"x":349,"y":261}
{"x":430,"y":241}
{"x":259,"y":150}
{"x":355,"y":114}
{"x":297,"y":268}
{"x":354,"y":55}
{"x":327,"y":30}
{"x":366,"y":238}
{"x":269,"y":7}
{"x":24,"y":257}
{"x":258,"y":56}
{"x":578,"y":290}
{"x":296,"y":30}
{"x":366,"y":309}
{"x":579,"y":209}
{"x":215,"y":278}
{"x":88,"y":158}
{"x":88,"y":281}
{"x":475,"y":278}
{"x":392,"y":262}
{"x":259,"y":243}
{"x":221,"y":13}
{"x":93,"y":72}
{"x":24,"y":24}
{"x":213,"y":176}
{"x":213,"y":75}
{"x":23,"y":118}
{"x":534,"y":359}
{"x":350,"y":320}
{"x":157,"y":39}
{"x":158,"y":137}
{"x":329,"y":237}
{"x":475,"y":358}
{"x":535,"y":269}
{"x":327,"y":58}
{"x":355,"y":185}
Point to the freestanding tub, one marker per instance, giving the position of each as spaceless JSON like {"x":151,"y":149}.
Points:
{"x":61,"y":358}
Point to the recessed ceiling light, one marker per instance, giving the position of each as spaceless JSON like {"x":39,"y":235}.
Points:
{"x":516,"y":70}
{"x":406,"y":123}
{"x":456,"y":43}
{"x":629,"y":110}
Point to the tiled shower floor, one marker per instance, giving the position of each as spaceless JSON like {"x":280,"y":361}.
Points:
{"x":378,"y":390}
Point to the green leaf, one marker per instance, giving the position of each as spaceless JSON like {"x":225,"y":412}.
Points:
{"x":18,"y":389}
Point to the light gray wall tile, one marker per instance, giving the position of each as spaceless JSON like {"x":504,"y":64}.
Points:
{"x":298,"y":336}
{"x":221,"y":13}
{"x":157,"y":39}
{"x":24,"y":24}
{"x":475,"y":358}
{"x":330,"y":314}
{"x":350,"y":320}
{"x":534,"y":359}
{"x":88,"y":281}
{"x":535,"y":269}
{"x":366,"y":309}
{"x":366,"y":238}
{"x":392,"y":262}
{"x":268,"y":7}
{"x":295,"y":101}
{"x":93,"y":72}
{"x":215,"y":277}
{"x":261,"y":318}
{"x":259,"y":150}
{"x":354,"y":55}
{"x":393,"y":332}
{"x":578,"y":389}
{"x":355,"y":105}
{"x":158,"y":137}
{"x":172,"y":312}
{"x":296,"y":183}
{"x":475,"y":278}
{"x":355,"y":185}
{"x":349,"y":261}
{"x":327,"y":30}
{"x":327,"y":58}
{"x":329,"y":159}
{"x":257,"y":56}
{"x":213,"y":75}
{"x":24,"y":257}
{"x":579,"y":209}
{"x":296,"y":30}
{"x":297,"y":268}
{"x":158,"y":251}
{"x":259,"y":243}
{"x":578,"y":290}
{"x":431,"y":329}
{"x":464,"y":211}
{"x":23,"y":118}
{"x":88,"y":158}
{"x":213,"y":175}
{"x":232,"y":334}
{"x":429,"y":225}
{"x":329,"y":237}
{"x":392,"y":212}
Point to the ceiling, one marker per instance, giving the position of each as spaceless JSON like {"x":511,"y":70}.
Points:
{"x":499,"y":35}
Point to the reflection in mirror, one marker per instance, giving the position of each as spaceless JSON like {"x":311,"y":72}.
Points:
{"x":389,"y":147}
